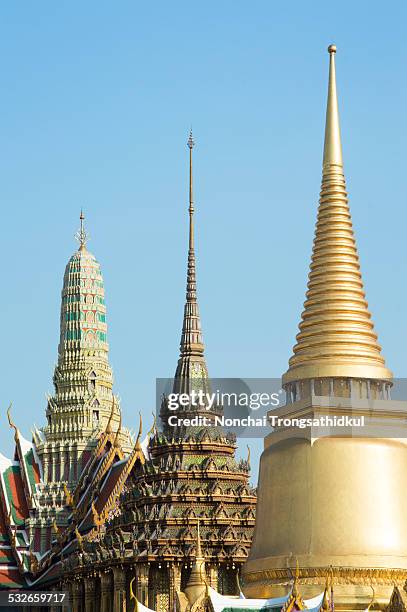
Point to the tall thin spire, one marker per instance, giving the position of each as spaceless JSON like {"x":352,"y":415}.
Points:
{"x":191,"y":339}
{"x":337,"y":337}
{"x":191,"y":144}
{"x":197,"y":580}
{"x":191,"y":362}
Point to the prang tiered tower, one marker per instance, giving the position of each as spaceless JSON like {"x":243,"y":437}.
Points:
{"x":83,"y":401}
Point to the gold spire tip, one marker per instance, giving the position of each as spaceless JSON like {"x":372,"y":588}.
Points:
{"x":332,"y":49}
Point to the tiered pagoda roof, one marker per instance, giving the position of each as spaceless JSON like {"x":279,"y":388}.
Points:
{"x":182,"y":477}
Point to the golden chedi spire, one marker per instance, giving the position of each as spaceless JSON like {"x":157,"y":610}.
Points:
{"x":333,"y":497}
{"x":197,"y":581}
{"x":337,"y":337}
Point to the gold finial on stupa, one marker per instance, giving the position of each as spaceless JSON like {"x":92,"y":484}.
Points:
{"x":337,"y":337}
{"x":197,"y":580}
{"x":81,"y":235}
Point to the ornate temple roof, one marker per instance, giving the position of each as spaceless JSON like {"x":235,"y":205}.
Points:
{"x":68,"y":505}
{"x":146,"y":506}
{"x":18,"y":483}
{"x":90,"y":504}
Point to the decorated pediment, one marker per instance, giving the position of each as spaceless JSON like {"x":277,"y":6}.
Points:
{"x":230,"y":533}
{"x":190,"y":513}
{"x":209,"y":464}
{"x":220,"y":512}
{"x":398,"y":601}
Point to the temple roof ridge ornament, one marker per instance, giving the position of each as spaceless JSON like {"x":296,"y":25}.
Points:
{"x":336,"y":334}
{"x":12,"y":424}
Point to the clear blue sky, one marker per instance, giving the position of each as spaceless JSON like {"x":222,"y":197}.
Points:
{"x":96,"y":102}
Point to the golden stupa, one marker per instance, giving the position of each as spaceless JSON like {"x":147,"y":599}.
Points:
{"x":330,"y":500}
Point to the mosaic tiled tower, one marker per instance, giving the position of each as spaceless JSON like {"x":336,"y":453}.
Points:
{"x":35,"y":486}
{"x":83,"y":379}
{"x":81,"y":405}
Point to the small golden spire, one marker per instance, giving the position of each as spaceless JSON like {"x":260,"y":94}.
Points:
{"x":81,"y":235}
{"x":336,"y":337}
{"x":197,"y":582}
